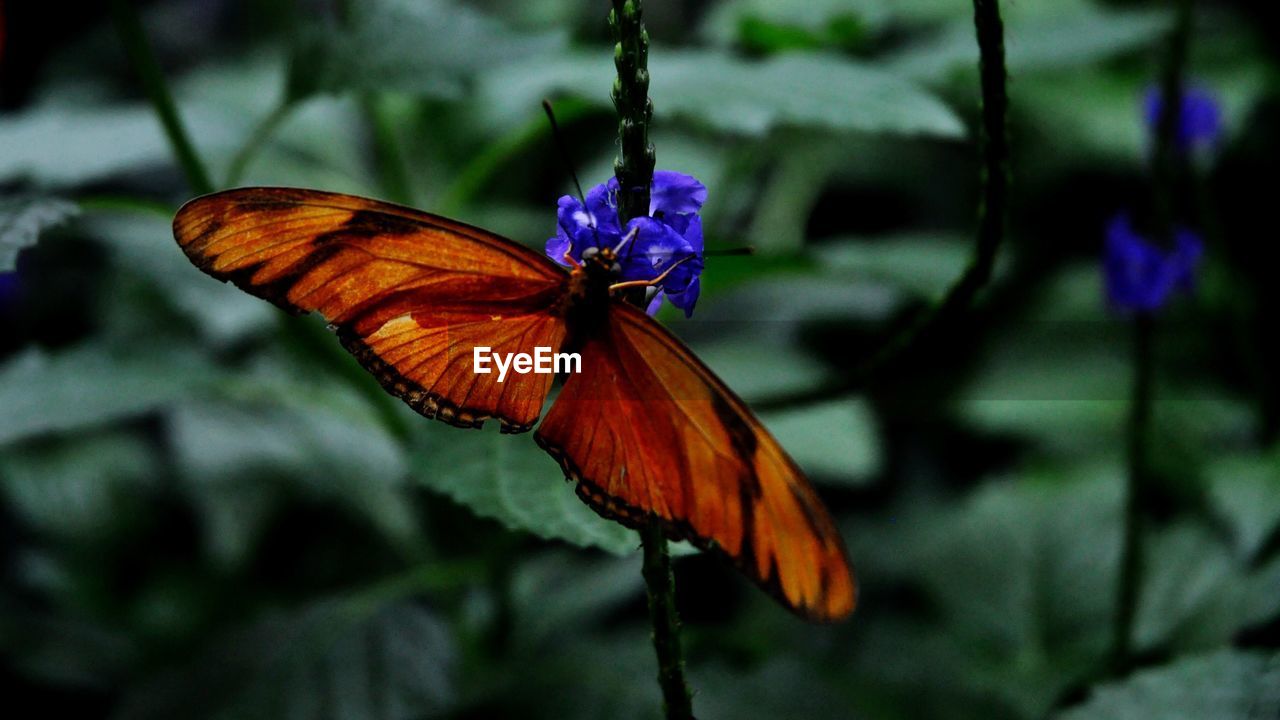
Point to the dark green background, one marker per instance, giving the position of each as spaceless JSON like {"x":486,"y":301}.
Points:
{"x":208,"y":510}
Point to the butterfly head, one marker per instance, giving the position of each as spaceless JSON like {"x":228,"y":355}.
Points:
{"x":602,"y":260}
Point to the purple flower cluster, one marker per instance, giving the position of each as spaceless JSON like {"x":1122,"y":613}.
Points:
{"x":1141,"y":276}
{"x":1199,"y":118}
{"x":671,"y":233}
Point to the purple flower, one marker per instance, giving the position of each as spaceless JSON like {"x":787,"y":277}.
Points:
{"x":10,"y":289}
{"x":670,"y":234}
{"x":1199,"y":118}
{"x":1141,"y":276}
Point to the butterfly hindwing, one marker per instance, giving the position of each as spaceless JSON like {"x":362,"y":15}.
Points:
{"x":410,"y":294}
{"x":646,"y":429}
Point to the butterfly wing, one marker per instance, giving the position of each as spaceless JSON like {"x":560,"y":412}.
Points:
{"x":410,"y":294}
{"x":646,"y":429}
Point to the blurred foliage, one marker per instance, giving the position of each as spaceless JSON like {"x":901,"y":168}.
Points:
{"x":208,"y":510}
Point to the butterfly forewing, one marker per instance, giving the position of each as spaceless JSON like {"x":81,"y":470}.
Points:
{"x":410,"y":294}
{"x":647,"y":429}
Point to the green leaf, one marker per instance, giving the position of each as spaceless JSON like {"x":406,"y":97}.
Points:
{"x":728,"y":334}
{"x":508,"y":478}
{"x":57,"y":145}
{"x":1019,"y":579}
{"x":804,"y":165}
{"x":23,"y":219}
{"x":92,"y":385}
{"x":922,"y":264}
{"x":143,"y":244}
{"x":323,"y":437}
{"x":1195,"y":594}
{"x":360,"y":656}
{"x":559,"y":594}
{"x":1042,"y":37}
{"x":589,"y":677}
{"x":732,"y":21}
{"x":834,"y":443}
{"x":422,"y":47}
{"x":64,"y":141}
{"x":780,"y":686}
{"x":1095,"y":115}
{"x":1061,"y":379}
{"x":1227,"y":685}
{"x":79,"y":488}
{"x":1245,"y":490}
{"x":736,"y":95}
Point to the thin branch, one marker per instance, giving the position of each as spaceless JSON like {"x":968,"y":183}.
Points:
{"x":992,"y":211}
{"x":634,"y":166}
{"x":1130,"y":575}
{"x":392,"y":167}
{"x":1164,"y":184}
{"x":676,"y":700}
{"x":634,"y":170}
{"x":257,"y":139}
{"x":143,"y":59}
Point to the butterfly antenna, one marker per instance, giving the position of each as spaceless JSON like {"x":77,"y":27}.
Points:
{"x":653,"y":282}
{"x":727,"y":252}
{"x":564,"y":150}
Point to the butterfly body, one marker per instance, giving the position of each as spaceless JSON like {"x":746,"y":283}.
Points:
{"x":645,"y":429}
{"x":587,"y":297}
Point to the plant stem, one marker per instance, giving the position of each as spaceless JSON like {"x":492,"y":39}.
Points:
{"x":1167,"y":162}
{"x":486,"y":163}
{"x":992,"y":211}
{"x":634,"y":170}
{"x":257,"y":138}
{"x":1168,"y":159}
{"x":396,"y":182}
{"x":634,"y":166}
{"x":676,"y":701}
{"x":1130,"y":578}
{"x":134,"y":39}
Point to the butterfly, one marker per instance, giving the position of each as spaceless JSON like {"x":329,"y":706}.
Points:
{"x":645,"y":429}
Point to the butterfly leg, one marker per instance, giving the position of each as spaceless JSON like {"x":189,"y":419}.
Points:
{"x":626,"y":239}
{"x":650,"y":283}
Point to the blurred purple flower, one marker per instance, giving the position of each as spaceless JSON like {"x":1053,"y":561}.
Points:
{"x":10,"y":289}
{"x":1199,"y":118}
{"x":1141,"y":276}
{"x":671,"y":233}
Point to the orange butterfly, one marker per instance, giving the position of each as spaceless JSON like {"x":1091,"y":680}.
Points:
{"x":645,"y":429}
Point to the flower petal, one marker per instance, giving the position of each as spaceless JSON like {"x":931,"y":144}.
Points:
{"x":1199,"y":117}
{"x":675,"y":193}
{"x":1141,"y":276}
{"x":655,"y":247}
{"x":655,"y":303}
{"x":686,"y":299}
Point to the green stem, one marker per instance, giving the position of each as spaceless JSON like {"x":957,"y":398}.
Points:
{"x":134,"y":39}
{"x":676,"y":700}
{"x":1130,"y":577}
{"x":1167,"y":163}
{"x":1168,"y":160}
{"x":312,"y":341}
{"x":261,"y":133}
{"x":486,"y":163}
{"x":396,"y":182}
{"x":636,"y":158}
{"x":992,"y":211}
{"x":634,"y":170}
